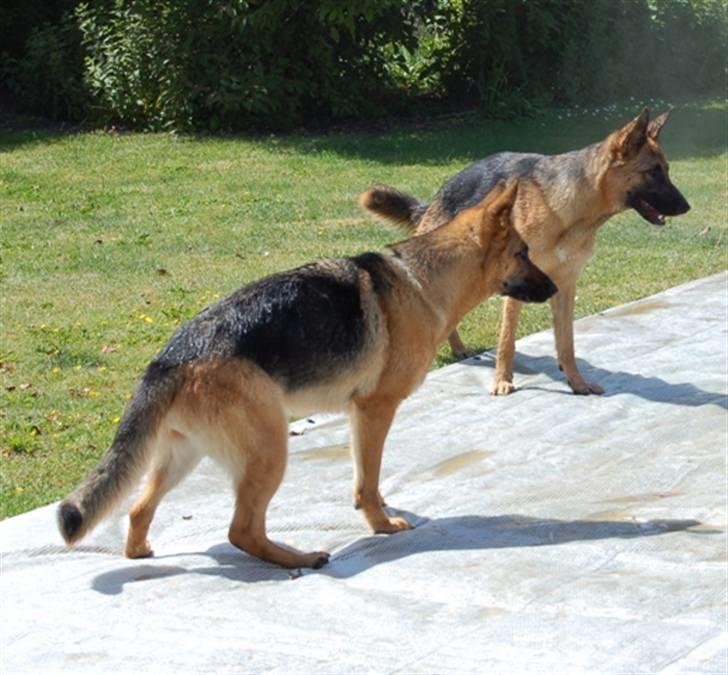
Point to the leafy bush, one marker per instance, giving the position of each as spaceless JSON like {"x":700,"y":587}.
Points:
{"x":49,"y":77}
{"x":18,"y":19}
{"x":690,"y":46}
{"x":204,"y":63}
{"x":672,"y":49}
{"x":257,"y":64}
{"x":503,"y":54}
{"x":131,"y":65}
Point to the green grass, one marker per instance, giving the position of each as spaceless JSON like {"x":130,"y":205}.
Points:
{"x":108,"y":241}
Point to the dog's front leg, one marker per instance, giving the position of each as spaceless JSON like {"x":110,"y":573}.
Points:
{"x":562,"y":310}
{"x":370,"y":422}
{"x":503,"y":380}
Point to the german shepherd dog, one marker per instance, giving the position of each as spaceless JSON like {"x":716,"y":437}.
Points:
{"x":562,"y":202}
{"x":355,"y":334}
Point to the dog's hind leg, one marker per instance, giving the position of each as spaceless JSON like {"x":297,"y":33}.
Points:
{"x":263,"y":446}
{"x":562,"y":310}
{"x":503,"y":380}
{"x":370,"y":422}
{"x":459,"y":350}
{"x":175,"y":458}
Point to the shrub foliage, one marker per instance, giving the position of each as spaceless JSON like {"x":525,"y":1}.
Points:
{"x":256,"y":64}
{"x":238,"y":63}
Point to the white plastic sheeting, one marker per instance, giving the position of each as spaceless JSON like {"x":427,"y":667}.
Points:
{"x":555,"y":533}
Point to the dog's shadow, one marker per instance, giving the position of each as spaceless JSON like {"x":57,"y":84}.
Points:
{"x":468,"y":533}
{"x":230,"y":563}
{"x":459,"y":533}
{"x":615,"y":383}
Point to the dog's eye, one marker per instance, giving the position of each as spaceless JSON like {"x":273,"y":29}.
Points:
{"x":654,"y":171}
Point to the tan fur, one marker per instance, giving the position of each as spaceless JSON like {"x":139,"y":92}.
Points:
{"x":235,"y":412}
{"x":432,"y":218}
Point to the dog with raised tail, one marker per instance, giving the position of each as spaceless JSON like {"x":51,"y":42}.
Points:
{"x":562,"y":202}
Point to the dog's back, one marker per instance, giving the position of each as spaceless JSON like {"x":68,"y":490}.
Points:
{"x":275,"y":321}
{"x":467,"y":188}
{"x":462,"y":191}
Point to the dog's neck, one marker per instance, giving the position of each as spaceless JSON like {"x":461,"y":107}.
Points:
{"x":449,"y":267}
{"x":576,"y":179}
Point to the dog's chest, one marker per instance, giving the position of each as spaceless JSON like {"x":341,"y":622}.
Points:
{"x":566,"y":253}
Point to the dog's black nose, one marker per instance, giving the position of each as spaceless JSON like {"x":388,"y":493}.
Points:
{"x":530,"y":291}
{"x":682,"y":206}
{"x":543,"y":291}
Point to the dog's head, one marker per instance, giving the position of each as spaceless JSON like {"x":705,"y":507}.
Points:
{"x":507,"y":253}
{"x":638,"y":173}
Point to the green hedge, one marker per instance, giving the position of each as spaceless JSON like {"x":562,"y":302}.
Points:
{"x":506,"y":55}
{"x":258,"y":64}
{"x":204,"y":63}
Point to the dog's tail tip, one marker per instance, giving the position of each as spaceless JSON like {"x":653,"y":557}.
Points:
{"x":393,"y":205}
{"x":371,"y":198}
{"x":70,"y":521}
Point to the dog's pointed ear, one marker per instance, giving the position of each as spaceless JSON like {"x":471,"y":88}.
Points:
{"x":627,"y":141}
{"x":499,"y":202}
{"x":655,"y":126}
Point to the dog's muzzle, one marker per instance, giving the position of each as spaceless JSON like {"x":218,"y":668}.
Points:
{"x":529,"y":291}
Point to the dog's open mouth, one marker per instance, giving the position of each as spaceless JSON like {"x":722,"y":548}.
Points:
{"x":648,"y":212}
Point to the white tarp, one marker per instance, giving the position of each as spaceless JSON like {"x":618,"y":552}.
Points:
{"x":555,"y":533}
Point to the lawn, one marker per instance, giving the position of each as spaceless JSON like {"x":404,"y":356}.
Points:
{"x":109,"y":240}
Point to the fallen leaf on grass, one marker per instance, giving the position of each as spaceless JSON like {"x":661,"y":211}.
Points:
{"x":86,"y":392}
{"x":22,"y":387}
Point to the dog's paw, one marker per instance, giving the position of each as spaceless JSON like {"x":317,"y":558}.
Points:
{"x":502,"y":388}
{"x":143,"y":550}
{"x":316,"y":560}
{"x":583,"y":388}
{"x":392,"y":525}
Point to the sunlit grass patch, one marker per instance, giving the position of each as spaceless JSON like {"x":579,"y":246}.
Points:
{"x":108,"y":242}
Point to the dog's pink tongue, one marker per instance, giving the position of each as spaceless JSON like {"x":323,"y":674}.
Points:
{"x":653,"y":215}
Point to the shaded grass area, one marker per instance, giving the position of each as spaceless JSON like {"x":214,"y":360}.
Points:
{"x":109,"y":241}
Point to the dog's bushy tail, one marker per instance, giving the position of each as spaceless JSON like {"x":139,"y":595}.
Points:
{"x":391,"y":204}
{"x":125,"y":461}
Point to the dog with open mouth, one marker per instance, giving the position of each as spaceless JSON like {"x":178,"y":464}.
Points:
{"x":563,"y":201}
